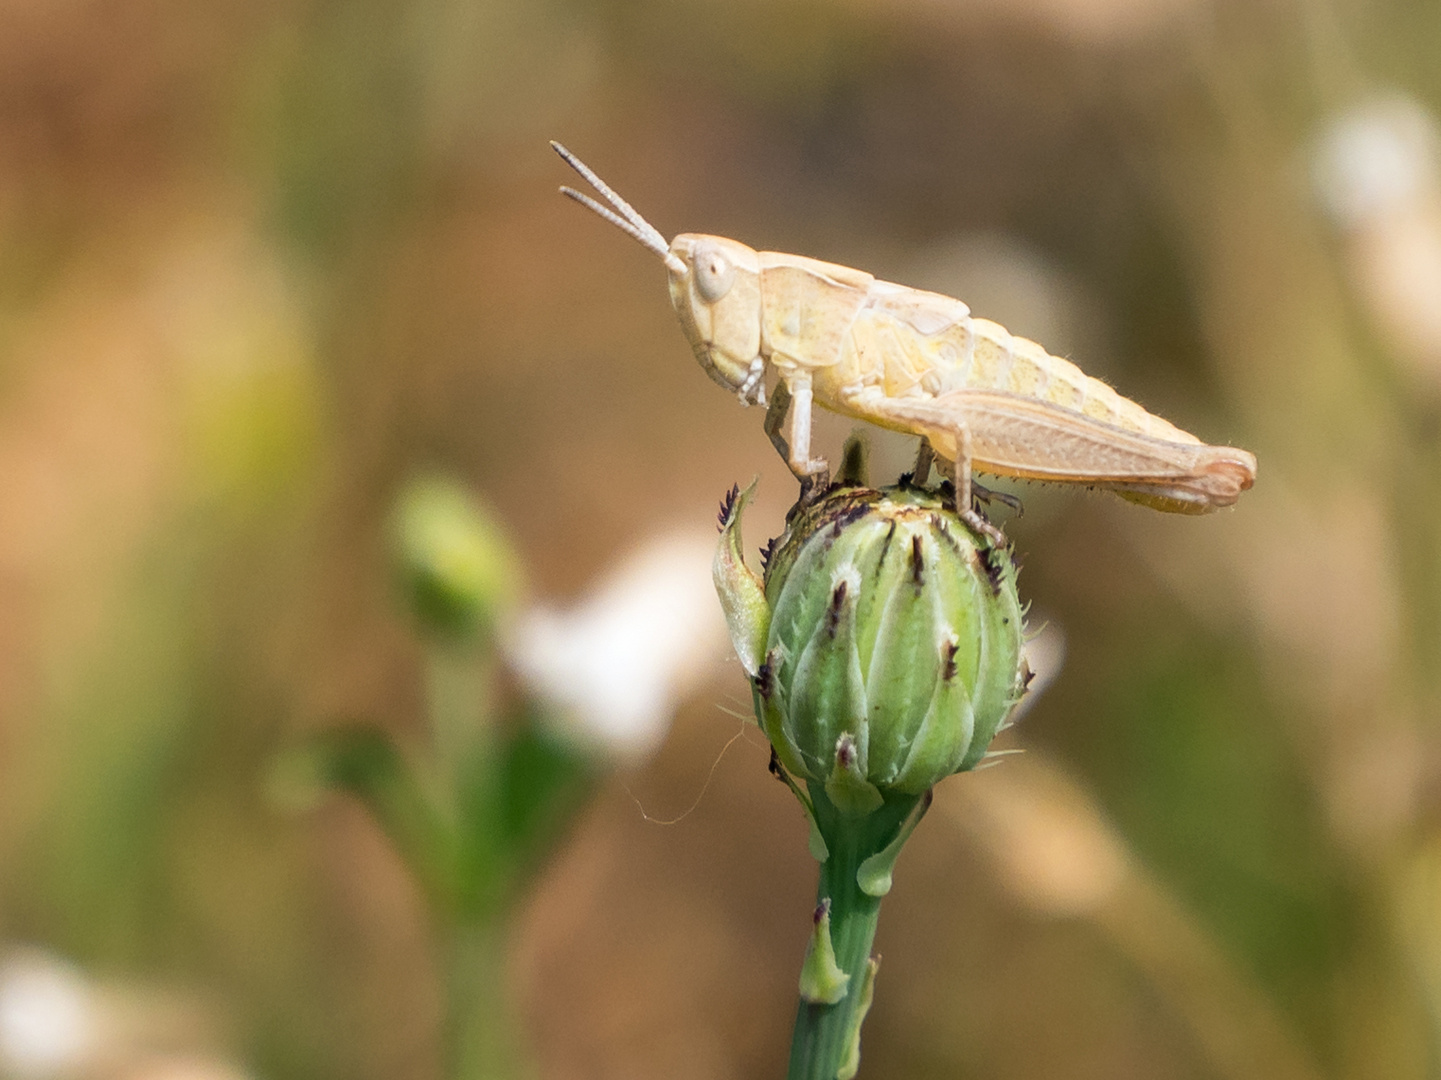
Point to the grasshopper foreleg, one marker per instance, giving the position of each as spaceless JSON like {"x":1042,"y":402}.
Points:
{"x":814,"y":474}
{"x":776,"y":419}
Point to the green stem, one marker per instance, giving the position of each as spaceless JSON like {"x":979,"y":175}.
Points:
{"x":825,"y":1036}
{"x":458,"y":693}
{"x":479,"y":1037}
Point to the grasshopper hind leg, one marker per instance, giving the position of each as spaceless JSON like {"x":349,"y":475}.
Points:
{"x":965,"y":503}
{"x":925,"y":459}
{"x":928,"y":416}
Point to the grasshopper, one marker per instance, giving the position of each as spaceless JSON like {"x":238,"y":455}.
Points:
{"x":919,"y":363}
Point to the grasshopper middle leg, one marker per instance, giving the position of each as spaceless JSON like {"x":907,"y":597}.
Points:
{"x":1005,"y":498}
{"x":925,"y":458}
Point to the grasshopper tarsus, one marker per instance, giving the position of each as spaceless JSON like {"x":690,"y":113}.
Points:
{"x":974,"y":520}
{"x":978,"y":524}
{"x":813,"y":486}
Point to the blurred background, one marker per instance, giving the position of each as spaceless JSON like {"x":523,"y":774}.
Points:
{"x":261,"y":264}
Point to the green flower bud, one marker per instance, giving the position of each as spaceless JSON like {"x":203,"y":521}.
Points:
{"x":457,"y":569}
{"x":893,"y":646}
{"x":883,"y":646}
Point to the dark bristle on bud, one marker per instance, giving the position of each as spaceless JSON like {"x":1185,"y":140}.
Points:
{"x":765,"y":679}
{"x":833,"y":611}
{"x":886,"y":546}
{"x":991,"y":562}
{"x":728,"y":506}
{"x":822,"y":910}
{"x":854,"y":471}
{"x":948,"y":661}
{"x":768,"y":552}
{"x":918,"y":562}
{"x":944,"y":532}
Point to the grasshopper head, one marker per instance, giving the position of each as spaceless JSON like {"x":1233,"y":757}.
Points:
{"x":715,"y":285}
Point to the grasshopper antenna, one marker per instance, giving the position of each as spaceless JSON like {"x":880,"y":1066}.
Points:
{"x":623,"y":216}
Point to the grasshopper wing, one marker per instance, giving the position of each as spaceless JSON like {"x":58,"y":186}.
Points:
{"x":1013,"y":435}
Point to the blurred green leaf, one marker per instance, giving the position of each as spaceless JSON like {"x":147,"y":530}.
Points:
{"x":367,"y":763}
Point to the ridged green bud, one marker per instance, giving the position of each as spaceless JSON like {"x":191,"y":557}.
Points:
{"x":892,"y":652}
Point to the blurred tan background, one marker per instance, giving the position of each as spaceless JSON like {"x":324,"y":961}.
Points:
{"x":262,"y":262}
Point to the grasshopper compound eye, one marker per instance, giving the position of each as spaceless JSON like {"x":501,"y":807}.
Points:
{"x":714,"y":273}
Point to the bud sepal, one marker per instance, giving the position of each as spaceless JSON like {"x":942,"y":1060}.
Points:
{"x":741,"y":590}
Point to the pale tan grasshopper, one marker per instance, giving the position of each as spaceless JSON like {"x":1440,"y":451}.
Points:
{"x":919,"y":363}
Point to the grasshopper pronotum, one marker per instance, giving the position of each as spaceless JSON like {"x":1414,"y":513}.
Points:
{"x":919,"y":363}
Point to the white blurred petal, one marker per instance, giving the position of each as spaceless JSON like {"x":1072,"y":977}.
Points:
{"x":1375,"y":158}
{"x":1377,"y":169}
{"x":48,"y":1017}
{"x":618,"y":663}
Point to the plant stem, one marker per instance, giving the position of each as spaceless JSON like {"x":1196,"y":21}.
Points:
{"x":480,"y":1041}
{"x":824,"y":1034}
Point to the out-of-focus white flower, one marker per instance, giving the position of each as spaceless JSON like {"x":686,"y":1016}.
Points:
{"x":1377,"y":171}
{"x":57,"y":1023}
{"x":1375,"y":157}
{"x":616,"y":664}
{"x":49,"y":1020}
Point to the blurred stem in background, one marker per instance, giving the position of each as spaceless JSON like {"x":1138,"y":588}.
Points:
{"x":474,"y":807}
{"x":1053,"y":851}
{"x":480,"y":1039}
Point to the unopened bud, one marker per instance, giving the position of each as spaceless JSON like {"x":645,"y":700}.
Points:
{"x":457,"y":569}
{"x":893,"y":646}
